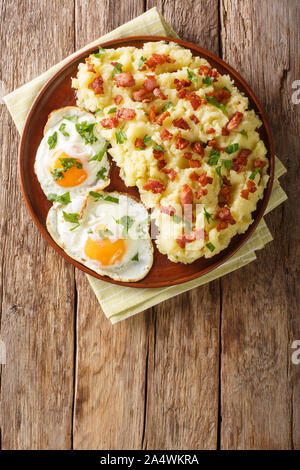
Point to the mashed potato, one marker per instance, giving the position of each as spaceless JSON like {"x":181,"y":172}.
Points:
{"x":183,"y":134}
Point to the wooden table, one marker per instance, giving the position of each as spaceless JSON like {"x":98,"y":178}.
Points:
{"x":208,"y":369}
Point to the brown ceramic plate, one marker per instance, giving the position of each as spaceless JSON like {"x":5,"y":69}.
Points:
{"x":57,"y":93}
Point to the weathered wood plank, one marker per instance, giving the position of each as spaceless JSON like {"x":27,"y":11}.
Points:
{"x":111,"y":361}
{"x":260,"y":387}
{"x":182,"y":392}
{"x":37,"y":285}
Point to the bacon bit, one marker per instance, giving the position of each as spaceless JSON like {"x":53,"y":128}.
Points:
{"x":181,"y":124}
{"x":199,"y":234}
{"x":150,"y":83}
{"x":258,"y":163}
{"x":245,"y":193}
{"x":113,"y":63}
{"x":194,"y":176}
{"x":195,"y":164}
{"x":235,"y":121}
{"x":224,"y":215}
{"x":194,"y":118}
{"x":225,"y":193}
{"x":159,"y":94}
{"x":222,"y":225}
{"x":208,"y":72}
{"x":251,"y":186}
{"x":170,"y":173}
{"x":197,"y":148}
{"x":162,"y":117}
{"x":241,"y":160}
{"x":204,"y":179}
{"x":97,"y":85}
{"x":166,"y":135}
{"x":169,"y":210}
{"x":213,"y":143}
{"x":179,"y":84}
{"x":186,"y":195}
{"x":181,"y":143}
{"x":211,"y":131}
{"x":158,"y":59}
{"x":125,"y":79}
{"x":139,"y":143}
{"x":126,"y":113}
{"x":109,"y":123}
{"x":195,"y":100}
{"x":154,"y":186}
{"x":182,"y":94}
{"x":158,"y":154}
{"x":201,"y":192}
{"x":118,"y":99}
{"x":225,"y":131}
{"x":90,"y":67}
{"x":161,"y":164}
{"x":188,"y":155}
{"x":226,"y":181}
{"x":139,"y":95}
{"x":221,"y":95}
{"x":152,"y":115}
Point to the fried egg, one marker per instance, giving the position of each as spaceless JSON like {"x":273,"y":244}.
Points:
{"x":71,"y":158}
{"x":107,"y":232}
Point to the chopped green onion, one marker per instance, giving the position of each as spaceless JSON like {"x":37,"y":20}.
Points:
{"x":214,"y":157}
{"x":98,"y":157}
{"x":63,"y":199}
{"x":210,"y":246}
{"x":232,"y":148}
{"x":120,"y":137}
{"x":212,"y":100}
{"x":52,"y":141}
{"x":103,"y":197}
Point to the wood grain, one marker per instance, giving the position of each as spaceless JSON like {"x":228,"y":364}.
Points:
{"x":260,"y":387}
{"x":37,"y":285}
{"x":182,"y":391}
{"x":111,"y":361}
{"x":152,"y":382}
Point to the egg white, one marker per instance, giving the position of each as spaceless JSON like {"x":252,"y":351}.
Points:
{"x":72,"y":237}
{"x":74,"y":146}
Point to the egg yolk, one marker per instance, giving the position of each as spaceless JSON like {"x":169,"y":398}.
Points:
{"x":105,"y":251}
{"x":73,"y":176}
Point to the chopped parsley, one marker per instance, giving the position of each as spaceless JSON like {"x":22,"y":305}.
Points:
{"x":141,"y":62}
{"x":57,"y":174}
{"x":212,"y":100}
{"x":68,"y":162}
{"x":86,"y":131}
{"x":63,"y":199}
{"x":210,"y":246}
{"x":213,"y":157}
{"x":254,"y":173}
{"x":62,"y":130}
{"x":232,"y":148}
{"x":218,"y":171}
{"x":117,"y":69}
{"x":71,"y":118}
{"x":227,"y":163}
{"x":208,"y":216}
{"x":100,"y":52}
{"x":207,"y":80}
{"x":111,"y":110}
{"x":126,"y":221}
{"x":136,"y":257}
{"x":244,"y":133}
{"x":52,"y":141}
{"x":176,"y":219}
{"x":120,"y":137}
{"x":98,"y":157}
{"x":101,"y":173}
{"x":104,"y":197}
{"x":159,"y":147}
{"x":73,"y":218}
{"x":167,"y":106}
{"x":192,"y":77}
{"x":104,"y":233}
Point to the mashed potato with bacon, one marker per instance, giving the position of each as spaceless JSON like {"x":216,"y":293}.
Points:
{"x":184,"y":135}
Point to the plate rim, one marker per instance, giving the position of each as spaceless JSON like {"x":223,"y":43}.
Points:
{"x":147,"y":38}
